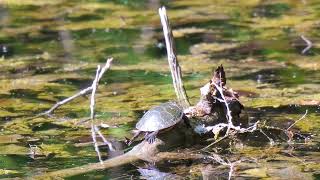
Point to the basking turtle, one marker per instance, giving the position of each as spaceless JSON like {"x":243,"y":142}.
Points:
{"x":159,"y":118}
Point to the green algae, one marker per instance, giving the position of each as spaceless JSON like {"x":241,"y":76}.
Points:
{"x":7,"y":171}
{"x":13,"y":149}
{"x":257,"y":42}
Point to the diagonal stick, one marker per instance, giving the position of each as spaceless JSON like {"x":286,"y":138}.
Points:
{"x":81,"y":93}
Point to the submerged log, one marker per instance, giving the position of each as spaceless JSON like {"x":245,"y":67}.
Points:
{"x":163,"y":148}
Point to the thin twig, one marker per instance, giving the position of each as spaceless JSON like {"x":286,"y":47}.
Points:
{"x":92,"y":113}
{"x":60,"y":103}
{"x":305,"y":114}
{"x":95,"y":143}
{"x":215,"y":142}
{"x":229,"y":116}
{"x":238,"y":129}
{"x":231,"y":171}
{"x":219,"y":160}
{"x":308,"y":42}
{"x":93,"y":92}
{"x":105,"y":68}
{"x":105,"y":141}
{"x":270,"y":139}
{"x":283,"y":130}
{"x":99,"y":73}
{"x":94,"y":129}
{"x":231,"y":166}
{"x":81,"y":93}
{"x":172,"y":59}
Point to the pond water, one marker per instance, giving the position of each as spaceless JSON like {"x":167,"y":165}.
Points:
{"x":49,"y":50}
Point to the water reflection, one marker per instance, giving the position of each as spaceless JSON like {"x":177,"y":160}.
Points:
{"x":66,"y":40}
{"x":147,"y":31}
{"x":119,"y":150}
{"x":4,"y":20}
{"x":4,"y":16}
{"x":152,"y":173}
{"x":210,"y":172}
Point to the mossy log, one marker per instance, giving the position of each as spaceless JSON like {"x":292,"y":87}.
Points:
{"x":166,"y":142}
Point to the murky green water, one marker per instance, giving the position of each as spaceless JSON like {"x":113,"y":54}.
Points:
{"x":49,"y":50}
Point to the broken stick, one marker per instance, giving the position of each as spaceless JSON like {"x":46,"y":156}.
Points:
{"x":173,"y":61}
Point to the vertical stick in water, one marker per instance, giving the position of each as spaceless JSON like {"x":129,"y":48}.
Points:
{"x":172,"y":59}
{"x":92,"y":113}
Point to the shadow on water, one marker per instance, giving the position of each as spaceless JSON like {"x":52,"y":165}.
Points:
{"x":85,"y":17}
{"x":47,"y":126}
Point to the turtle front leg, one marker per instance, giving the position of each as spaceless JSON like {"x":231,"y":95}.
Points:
{"x":134,"y":137}
{"x":151,"y":137}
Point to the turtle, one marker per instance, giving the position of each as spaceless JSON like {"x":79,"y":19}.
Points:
{"x":159,"y":118}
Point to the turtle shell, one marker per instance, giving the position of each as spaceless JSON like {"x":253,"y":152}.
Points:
{"x":160,"y":117}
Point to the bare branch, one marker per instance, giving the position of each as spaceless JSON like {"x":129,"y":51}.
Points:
{"x":105,"y":68}
{"x":231,"y":171}
{"x":238,"y":129}
{"x":60,"y":103}
{"x":94,"y":129}
{"x":229,"y":116}
{"x":95,"y":143}
{"x":93,"y":92}
{"x":172,"y":59}
{"x":231,"y":166}
{"x":219,"y":160}
{"x":215,"y":142}
{"x":305,"y":114}
{"x":269,"y":138}
{"x":105,"y":141}
{"x":81,"y":93}
{"x":287,"y":132}
{"x":99,"y":73}
{"x":92,"y":104}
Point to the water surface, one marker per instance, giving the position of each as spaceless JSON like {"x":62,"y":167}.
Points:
{"x":50,"y":49}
